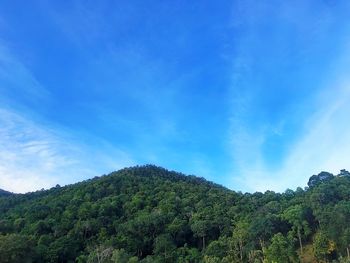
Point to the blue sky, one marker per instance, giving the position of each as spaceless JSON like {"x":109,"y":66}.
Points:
{"x":254,"y":95}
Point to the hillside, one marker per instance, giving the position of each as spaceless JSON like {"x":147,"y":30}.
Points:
{"x":149,"y":214}
{"x":4,"y":193}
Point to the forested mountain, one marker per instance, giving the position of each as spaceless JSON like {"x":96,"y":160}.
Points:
{"x":149,"y":214}
{"x":4,"y":193}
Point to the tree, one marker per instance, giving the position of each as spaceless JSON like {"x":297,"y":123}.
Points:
{"x":218,"y":248}
{"x":320,"y":178}
{"x":337,"y":226}
{"x":164,"y":247}
{"x":345,"y":238}
{"x":295,"y":215}
{"x":16,"y":248}
{"x":199,"y":228}
{"x":344,"y":172}
{"x":322,"y":246}
{"x":240,"y":236}
{"x":264,"y":226}
{"x":280,"y":250}
{"x":121,"y":256}
{"x":100,"y":254}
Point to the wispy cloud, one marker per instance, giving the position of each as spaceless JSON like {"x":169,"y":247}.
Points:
{"x":305,"y":131}
{"x":35,"y":156}
{"x":28,"y":155}
{"x":36,"y":153}
{"x":18,"y":85}
{"x":325,"y":146}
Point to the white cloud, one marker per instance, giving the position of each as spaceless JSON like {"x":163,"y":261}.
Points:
{"x":36,"y":154}
{"x":324,"y":146}
{"x":33,"y":156}
{"x":322,"y":139}
{"x":27,"y":154}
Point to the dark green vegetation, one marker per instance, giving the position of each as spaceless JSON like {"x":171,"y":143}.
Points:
{"x":148,"y":214}
{"x":4,"y":193}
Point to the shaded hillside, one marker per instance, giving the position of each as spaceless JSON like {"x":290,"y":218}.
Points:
{"x":4,"y":193}
{"x":149,"y":214}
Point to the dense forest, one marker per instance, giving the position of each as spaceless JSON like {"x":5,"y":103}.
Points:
{"x":149,"y":214}
{"x":4,"y":193}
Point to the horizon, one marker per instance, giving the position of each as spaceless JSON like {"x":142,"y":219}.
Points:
{"x":304,"y":188}
{"x":249,"y":95}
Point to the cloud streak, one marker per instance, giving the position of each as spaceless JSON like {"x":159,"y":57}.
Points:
{"x":28,"y":154}
{"x":37,"y":154}
{"x":325,"y":146}
{"x":34,"y":156}
{"x":305,"y":132}
{"x":17,"y":81}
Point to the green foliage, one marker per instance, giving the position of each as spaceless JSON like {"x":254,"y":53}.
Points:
{"x":297,"y":216}
{"x":164,"y":248}
{"x":4,"y":193}
{"x":323,"y":247}
{"x":320,"y":178}
{"x":148,"y":214}
{"x":16,"y":248}
{"x":280,"y":250}
{"x":218,"y":248}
